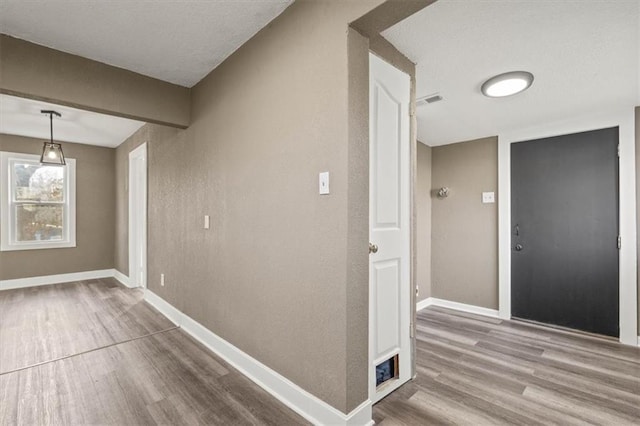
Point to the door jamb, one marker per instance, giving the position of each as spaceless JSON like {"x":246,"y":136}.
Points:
{"x":624,"y":119}
{"x":140,"y":153}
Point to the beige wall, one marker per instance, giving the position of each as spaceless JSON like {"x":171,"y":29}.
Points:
{"x":465,"y":231}
{"x":272,"y":233}
{"x":33,"y":71}
{"x":264,"y":208}
{"x":283,"y":272}
{"x":357,"y":294}
{"x":95,"y":215}
{"x":387,"y":14}
{"x":167,"y":212}
{"x":423,"y":222}
{"x":637,"y":124}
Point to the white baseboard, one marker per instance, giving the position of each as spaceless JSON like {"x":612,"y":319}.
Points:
{"x":293,"y":396}
{"x":54,"y":279}
{"x":64,"y":278}
{"x":472,"y":309}
{"x":164,"y":307}
{"x":124,"y":280}
{"x":423,"y":304}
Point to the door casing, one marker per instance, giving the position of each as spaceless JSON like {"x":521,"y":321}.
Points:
{"x":138,"y":216}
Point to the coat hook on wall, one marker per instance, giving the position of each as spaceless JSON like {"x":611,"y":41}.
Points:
{"x":443,"y":192}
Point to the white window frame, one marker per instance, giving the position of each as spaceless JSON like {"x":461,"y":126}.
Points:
{"x":7,"y":212}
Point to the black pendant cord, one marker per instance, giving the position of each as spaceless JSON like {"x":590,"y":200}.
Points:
{"x":51,"y":113}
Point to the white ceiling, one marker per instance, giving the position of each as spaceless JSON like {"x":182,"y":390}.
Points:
{"x":584,"y":55}
{"x":19,"y":116}
{"x":179,"y":41}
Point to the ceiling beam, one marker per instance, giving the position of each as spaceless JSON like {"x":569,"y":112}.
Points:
{"x":386,"y":15}
{"x":36,"y":72}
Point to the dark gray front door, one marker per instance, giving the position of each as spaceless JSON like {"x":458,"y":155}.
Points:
{"x":564,"y":217}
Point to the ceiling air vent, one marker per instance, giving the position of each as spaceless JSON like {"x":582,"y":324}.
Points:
{"x":429,"y":99}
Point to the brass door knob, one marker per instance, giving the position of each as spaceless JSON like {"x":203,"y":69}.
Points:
{"x":373,"y":248}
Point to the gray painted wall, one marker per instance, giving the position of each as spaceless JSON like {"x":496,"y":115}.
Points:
{"x":147,"y":133}
{"x":278,"y":274}
{"x":95,"y":215}
{"x":423,"y":222}
{"x":273,"y":239}
{"x":166,"y":208}
{"x":465,"y":231}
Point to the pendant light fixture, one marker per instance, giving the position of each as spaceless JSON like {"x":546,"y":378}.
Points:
{"x":51,"y":151}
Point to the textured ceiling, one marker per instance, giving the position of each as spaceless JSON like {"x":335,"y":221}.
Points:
{"x":584,"y":55}
{"x":19,"y":116}
{"x":179,"y":41}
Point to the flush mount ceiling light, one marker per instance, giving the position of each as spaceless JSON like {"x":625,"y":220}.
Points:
{"x":507,"y":84}
{"x":51,"y":151}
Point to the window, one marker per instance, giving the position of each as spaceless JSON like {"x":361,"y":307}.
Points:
{"x":38,"y":203}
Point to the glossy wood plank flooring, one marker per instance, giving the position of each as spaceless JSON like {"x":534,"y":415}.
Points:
{"x":164,"y":378}
{"x":473,"y":370}
{"x":43,"y":323}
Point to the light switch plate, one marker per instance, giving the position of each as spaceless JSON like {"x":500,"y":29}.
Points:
{"x":206,"y":221}
{"x":488,"y":197}
{"x":323,"y":182}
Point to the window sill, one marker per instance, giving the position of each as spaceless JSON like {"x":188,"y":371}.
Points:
{"x":37,"y":246}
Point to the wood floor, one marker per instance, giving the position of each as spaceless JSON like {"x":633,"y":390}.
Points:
{"x":43,"y":323}
{"x":162,"y":378}
{"x":127,"y":364}
{"x":473,"y":370}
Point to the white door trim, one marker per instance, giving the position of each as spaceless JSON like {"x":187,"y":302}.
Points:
{"x":138,"y":204}
{"x":625,"y":120}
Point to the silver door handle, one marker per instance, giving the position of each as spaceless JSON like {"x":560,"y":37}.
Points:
{"x":519,"y":247}
{"x":373,"y":248}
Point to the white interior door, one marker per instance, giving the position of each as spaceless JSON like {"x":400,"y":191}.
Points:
{"x":389,"y":225}
{"x":138,"y":216}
